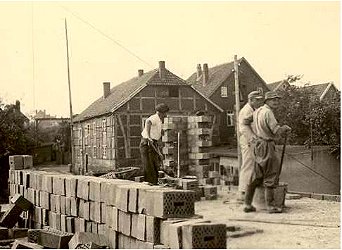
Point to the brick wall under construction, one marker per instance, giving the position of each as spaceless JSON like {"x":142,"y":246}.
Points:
{"x":129,"y":214}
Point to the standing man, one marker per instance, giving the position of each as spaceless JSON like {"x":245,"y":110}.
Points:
{"x":255,"y":100}
{"x":150,"y":153}
{"x":267,"y":164}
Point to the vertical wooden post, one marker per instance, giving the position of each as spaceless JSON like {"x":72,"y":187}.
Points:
{"x":71,"y":118}
{"x":178,"y":154}
{"x":237,"y":107}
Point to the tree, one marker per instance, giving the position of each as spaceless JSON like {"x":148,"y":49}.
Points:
{"x":302,"y":110}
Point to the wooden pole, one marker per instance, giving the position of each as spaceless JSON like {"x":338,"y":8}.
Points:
{"x":70,"y":103}
{"x":178,"y":155}
{"x":237,"y":107}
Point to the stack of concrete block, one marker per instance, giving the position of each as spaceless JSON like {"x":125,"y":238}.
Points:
{"x":199,"y":141}
{"x":20,"y":161}
{"x":128,"y":213}
{"x":171,"y":127}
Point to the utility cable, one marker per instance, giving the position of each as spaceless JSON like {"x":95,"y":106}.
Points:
{"x":107,"y":36}
{"x":314,"y":171}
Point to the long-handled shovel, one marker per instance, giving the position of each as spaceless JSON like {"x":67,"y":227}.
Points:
{"x":282,"y":154}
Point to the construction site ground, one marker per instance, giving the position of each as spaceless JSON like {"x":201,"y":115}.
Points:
{"x":304,"y":223}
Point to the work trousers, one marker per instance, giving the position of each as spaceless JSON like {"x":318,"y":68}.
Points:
{"x":266,"y":172}
{"x":247,"y":167}
{"x":150,"y":162}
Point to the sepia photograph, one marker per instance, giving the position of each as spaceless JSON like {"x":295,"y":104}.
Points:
{"x":170,"y":124}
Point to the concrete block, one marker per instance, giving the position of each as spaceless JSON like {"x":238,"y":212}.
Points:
{"x":55,"y":201}
{"x":71,"y":186}
{"x":3,"y":233}
{"x":86,"y":210}
{"x":58,"y":185}
{"x":26,"y":179}
{"x":95,"y":190}
{"x":108,"y":190}
{"x":63,"y":223}
{"x":125,"y":223}
{"x":103,"y":212}
{"x":27,"y":161}
{"x":152,"y":229}
{"x":47,"y":183}
{"x":80,"y":225}
{"x":74,"y":205}
{"x":37,"y":193}
{"x":31,"y":195}
{"x":55,"y":220}
{"x":54,"y":239}
{"x":45,"y":217}
{"x":138,"y":226}
{"x":70,"y":224}
{"x":210,"y":192}
{"x":112,"y":237}
{"x":122,"y":196}
{"x":165,"y":230}
{"x":95,"y":211}
{"x":204,"y":235}
{"x":37,"y":215}
{"x":170,"y":203}
{"x":88,"y":225}
{"x":11,"y":216}
{"x":32,"y":235}
{"x":16,"y":162}
{"x":83,"y":188}
{"x":101,"y":228}
{"x":94,"y":228}
{"x":81,"y":238}
{"x":33,"y":180}
{"x":21,"y":202}
{"x":22,"y":244}
{"x":62,"y":200}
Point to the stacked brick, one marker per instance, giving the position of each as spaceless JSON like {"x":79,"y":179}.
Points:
{"x":171,"y":127}
{"x":129,"y":214}
{"x":199,"y":141}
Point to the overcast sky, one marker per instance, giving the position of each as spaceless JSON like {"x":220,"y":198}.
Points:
{"x":277,"y":38}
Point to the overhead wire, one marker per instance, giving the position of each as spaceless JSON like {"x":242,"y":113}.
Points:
{"x":105,"y":35}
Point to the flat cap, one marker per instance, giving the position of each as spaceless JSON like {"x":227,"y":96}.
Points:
{"x":162,"y":107}
{"x":255,"y":94}
{"x":271,"y":95}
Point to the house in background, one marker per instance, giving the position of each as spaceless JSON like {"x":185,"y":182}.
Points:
{"x":107,"y":133}
{"x":218,"y":84}
{"x":279,"y":85}
{"x":325,"y":91}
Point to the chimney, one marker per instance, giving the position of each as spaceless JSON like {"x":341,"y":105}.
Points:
{"x":140,"y":72}
{"x":199,"y":71}
{"x":162,"y":70}
{"x":17,"y":105}
{"x":205,"y":74}
{"x":106,"y":89}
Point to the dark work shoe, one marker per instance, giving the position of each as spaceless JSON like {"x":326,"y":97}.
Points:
{"x":249,"y":209}
{"x":274,"y":210}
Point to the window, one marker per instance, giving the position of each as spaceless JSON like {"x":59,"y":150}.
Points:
{"x":94,"y":129}
{"x":104,"y":152}
{"x":173,"y":91}
{"x":224,"y":91}
{"x":94,"y":152}
{"x":230,"y":118}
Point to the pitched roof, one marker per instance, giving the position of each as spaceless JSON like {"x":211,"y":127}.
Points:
{"x":122,"y":93}
{"x":321,"y":89}
{"x":217,"y":75}
{"x":119,"y":94}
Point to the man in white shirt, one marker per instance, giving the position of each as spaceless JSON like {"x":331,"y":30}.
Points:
{"x":151,"y":134}
{"x":246,"y":134}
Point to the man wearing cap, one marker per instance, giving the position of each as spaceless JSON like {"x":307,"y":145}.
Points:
{"x":149,"y":150}
{"x":246,"y":134}
{"x":267,"y":164}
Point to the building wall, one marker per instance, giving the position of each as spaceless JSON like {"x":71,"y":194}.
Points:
{"x":117,"y":143}
{"x":249,"y":81}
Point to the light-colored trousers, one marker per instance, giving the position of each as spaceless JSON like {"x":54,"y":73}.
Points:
{"x":247,"y":167}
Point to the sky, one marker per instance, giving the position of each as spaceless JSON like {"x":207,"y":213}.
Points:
{"x":110,"y":41}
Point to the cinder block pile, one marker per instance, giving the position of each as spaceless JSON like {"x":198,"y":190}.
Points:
{"x":20,"y":161}
{"x":129,"y":214}
{"x":171,"y":127}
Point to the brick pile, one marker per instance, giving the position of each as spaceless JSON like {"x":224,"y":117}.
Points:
{"x":129,"y":214}
{"x":171,"y":127}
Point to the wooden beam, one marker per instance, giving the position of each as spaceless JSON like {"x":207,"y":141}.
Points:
{"x":122,"y":128}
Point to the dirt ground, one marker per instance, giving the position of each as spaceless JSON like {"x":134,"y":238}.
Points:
{"x":305,"y":223}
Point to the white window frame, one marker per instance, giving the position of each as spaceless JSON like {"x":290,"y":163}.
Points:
{"x":224,"y":91}
{"x":230,"y":118}
{"x":94,"y":129}
{"x":94,"y":152}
